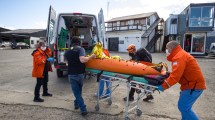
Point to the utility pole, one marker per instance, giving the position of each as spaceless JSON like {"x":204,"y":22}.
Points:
{"x":108,"y":9}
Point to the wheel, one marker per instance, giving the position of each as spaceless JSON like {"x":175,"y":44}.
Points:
{"x":109,"y":102}
{"x":139,"y":112}
{"x":127,"y":118}
{"x":59,"y":73}
{"x":97,"y":107}
{"x":138,"y":91}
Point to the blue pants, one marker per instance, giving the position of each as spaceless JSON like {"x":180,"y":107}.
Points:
{"x":76,"y":82}
{"x":185,"y":103}
{"x":101,"y":86}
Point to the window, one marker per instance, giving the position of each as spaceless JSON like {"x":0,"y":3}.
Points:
{"x":198,"y":43}
{"x":124,"y":23}
{"x":109,"y":25}
{"x":142,"y":21}
{"x":114,"y":24}
{"x":32,"y":41}
{"x":136,"y":22}
{"x":195,"y":13}
{"x":207,"y":12}
{"x":121,"y":42}
{"x":174,"y":21}
{"x":201,"y":17}
{"x":148,"y":21}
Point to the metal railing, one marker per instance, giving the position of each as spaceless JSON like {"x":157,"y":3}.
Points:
{"x":126,"y":27}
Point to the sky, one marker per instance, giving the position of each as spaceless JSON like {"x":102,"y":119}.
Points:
{"x":33,"y":14}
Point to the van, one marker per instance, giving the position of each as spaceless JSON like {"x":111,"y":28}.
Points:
{"x":60,"y":31}
{"x":212,"y":49}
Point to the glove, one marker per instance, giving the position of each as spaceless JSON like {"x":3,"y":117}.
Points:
{"x":160,"y":88}
{"x":50,"y":59}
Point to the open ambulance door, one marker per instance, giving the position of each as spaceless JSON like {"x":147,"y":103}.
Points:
{"x":50,"y":28}
{"x":102,"y":37}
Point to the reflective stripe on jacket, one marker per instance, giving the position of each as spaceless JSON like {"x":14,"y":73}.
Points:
{"x":185,"y":71}
{"x":39,"y":61}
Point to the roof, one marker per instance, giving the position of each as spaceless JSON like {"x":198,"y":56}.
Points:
{"x":142,"y":15}
{"x":23,"y":31}
{"x":3,"y":29}
{"x":202,"y":4}
{"x":197,"y":5}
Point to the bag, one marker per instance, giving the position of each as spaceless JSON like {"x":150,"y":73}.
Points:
{"x":156,"y":79}
{"x":144,"y":55}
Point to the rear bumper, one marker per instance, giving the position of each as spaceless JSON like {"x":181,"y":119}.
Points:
{"x":62,"y":67}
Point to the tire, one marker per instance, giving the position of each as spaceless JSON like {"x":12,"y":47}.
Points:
{"x":59,"y":73}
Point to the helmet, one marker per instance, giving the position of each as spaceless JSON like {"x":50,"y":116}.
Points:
{"x":131,"y":48}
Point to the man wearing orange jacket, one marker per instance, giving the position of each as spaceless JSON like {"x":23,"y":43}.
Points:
{"x":185,"y":71}
{"x":41,"y":66}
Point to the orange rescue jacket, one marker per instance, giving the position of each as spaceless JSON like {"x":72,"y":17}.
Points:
{"x":39,"y":61}
{"x":185,"y":71}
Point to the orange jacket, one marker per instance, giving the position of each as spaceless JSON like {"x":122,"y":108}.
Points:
{"x":39,"y":60}
{"x":185,"y":71}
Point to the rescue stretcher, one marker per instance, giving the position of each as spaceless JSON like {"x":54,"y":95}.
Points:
{"x":141,"y":84}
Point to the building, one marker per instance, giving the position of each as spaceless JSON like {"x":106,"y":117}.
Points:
{"x":29,"y":36}
{"x":193,"y":28}
{"x":143,"y":30}
{"x":2,"y":30}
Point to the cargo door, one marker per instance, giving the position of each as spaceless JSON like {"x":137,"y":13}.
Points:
{"x":50,"y":28}
{"x":113,"y":44}
{"x":101,"y":29}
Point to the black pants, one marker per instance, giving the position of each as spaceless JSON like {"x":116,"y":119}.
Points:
{"x":132,"y":91}
{"x":41,"y":82}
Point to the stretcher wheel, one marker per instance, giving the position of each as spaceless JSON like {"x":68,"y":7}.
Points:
{"x":97,"y":107}
{"x":109,"y":102}
{"x":127,"y":118}
{"x":139,"y":112}
{"x":138,"y":91}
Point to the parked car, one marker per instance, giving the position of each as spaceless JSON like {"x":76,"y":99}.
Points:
{"x":20,"y":45}
{"x":5,"y":44}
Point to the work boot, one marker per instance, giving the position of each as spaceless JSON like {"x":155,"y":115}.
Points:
{"x":76,"y":107}
{"x":47,"y":94}
{"x":38,"y":100}
{"x":130,"y":99}
{"x":149,"y":97}
{"x":84,"y":113}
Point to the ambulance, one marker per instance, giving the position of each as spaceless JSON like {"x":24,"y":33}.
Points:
{"x":61,"y":29}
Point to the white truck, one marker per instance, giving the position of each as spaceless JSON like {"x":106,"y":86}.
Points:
{"x":212,"y":49}
{"x":61,"y":30}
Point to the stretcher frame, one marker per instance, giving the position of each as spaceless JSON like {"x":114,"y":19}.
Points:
{"x":142,"y":89}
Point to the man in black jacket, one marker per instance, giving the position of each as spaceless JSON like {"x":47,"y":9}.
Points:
{"x":76,"y":69}
{"x":140,"y":55}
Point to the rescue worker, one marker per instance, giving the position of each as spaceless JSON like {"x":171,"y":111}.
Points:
{"x":76,"y":69}
{"x":140,"y":55}
{"x":41,"y":66}
{"x":185,"y":71}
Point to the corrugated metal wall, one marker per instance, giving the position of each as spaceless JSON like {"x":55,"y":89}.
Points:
{"x":171,"y":29}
